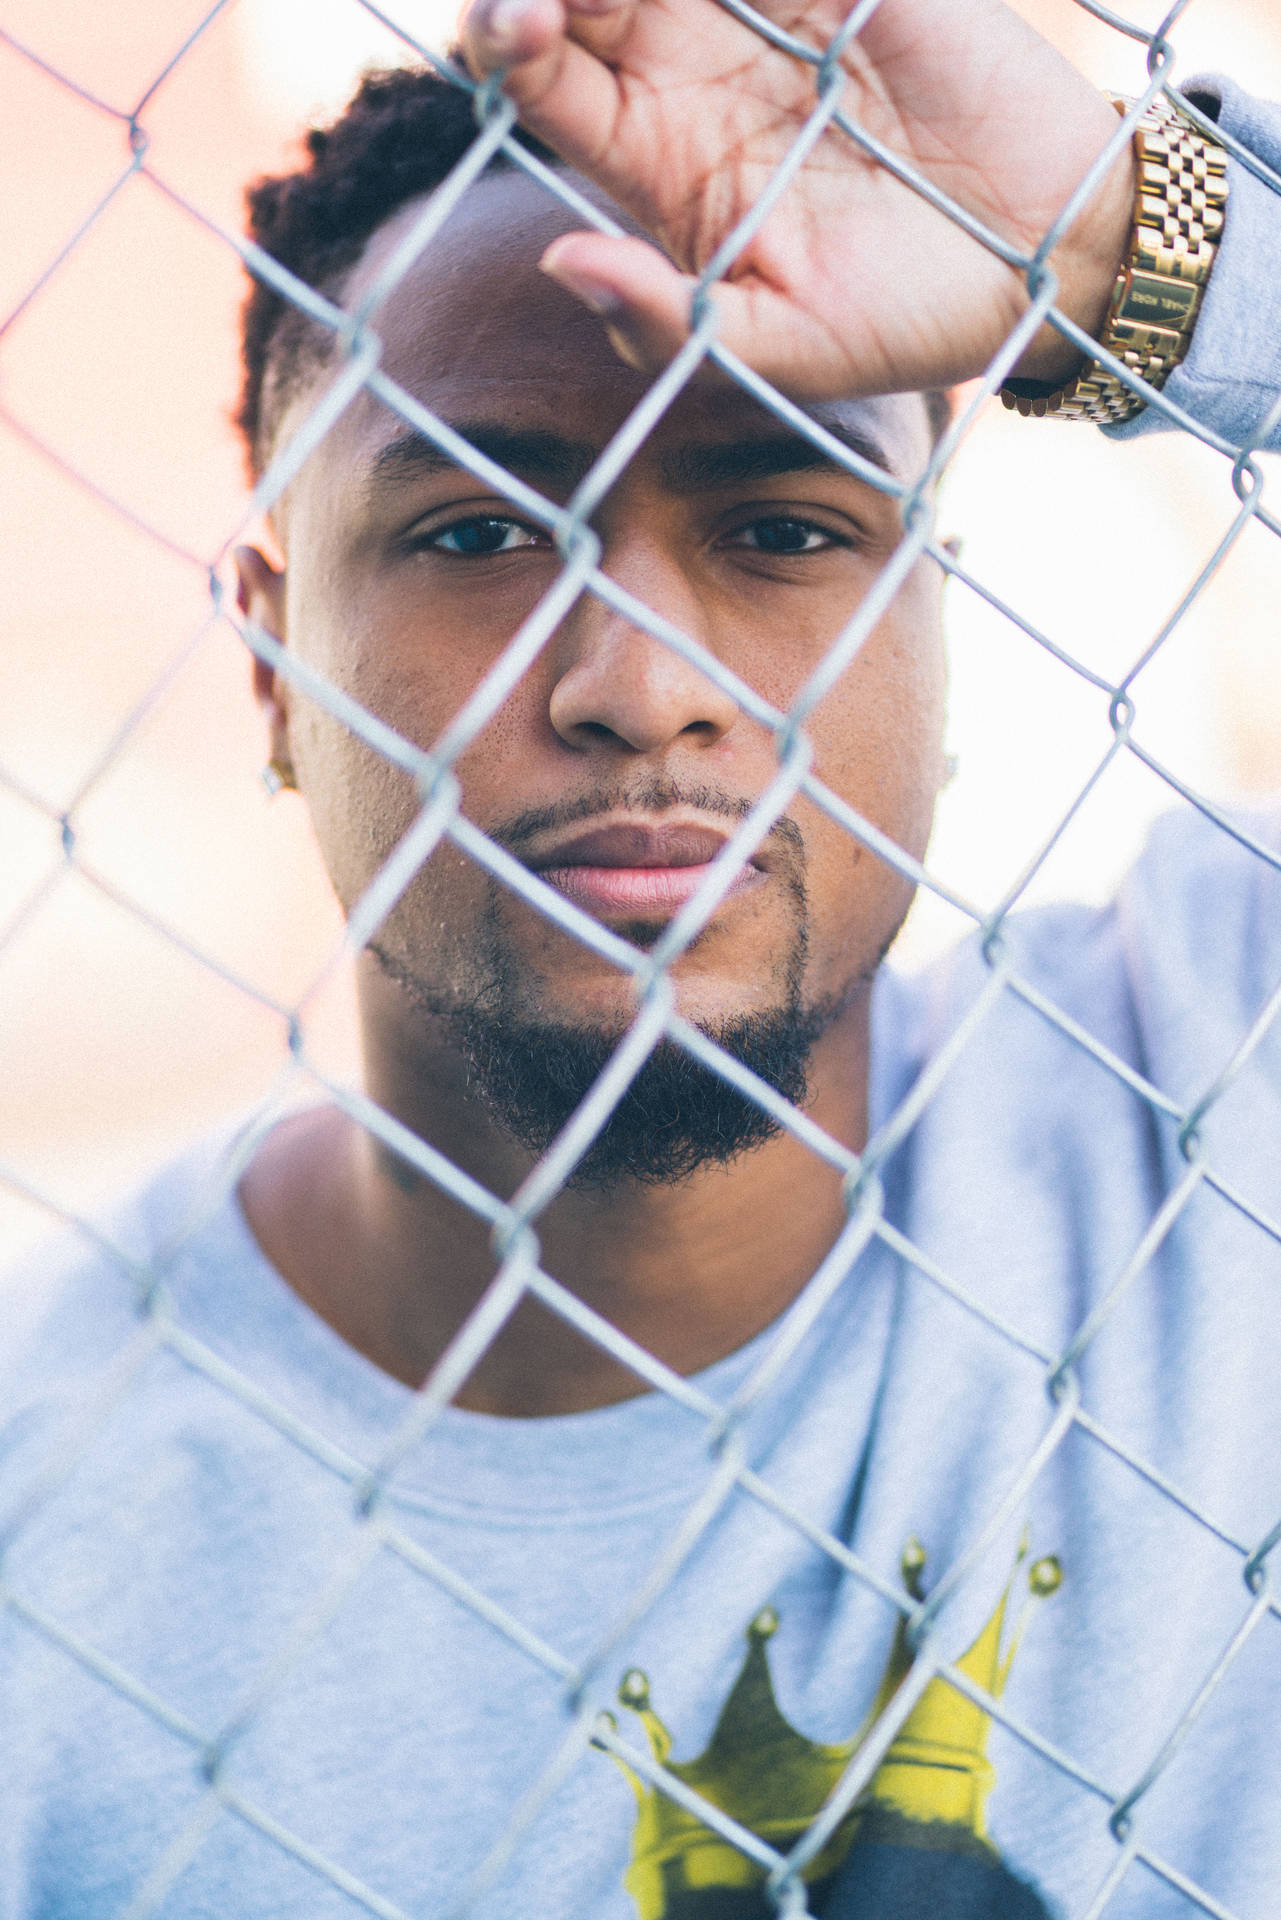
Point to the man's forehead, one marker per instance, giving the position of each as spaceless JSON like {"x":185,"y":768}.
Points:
{"x":688,"y":456}
{"x":480,"y":337}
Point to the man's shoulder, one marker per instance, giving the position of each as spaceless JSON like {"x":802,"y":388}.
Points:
{"x":1174,"y":965}
{"x":166,"y":1306}
{"x":70,"y":1305}
{"x":1206,"y":894}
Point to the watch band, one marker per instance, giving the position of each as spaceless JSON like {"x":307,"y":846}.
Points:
{"x":1178,"y":219}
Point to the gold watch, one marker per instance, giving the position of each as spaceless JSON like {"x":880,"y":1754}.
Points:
{"x":1178,"y":220}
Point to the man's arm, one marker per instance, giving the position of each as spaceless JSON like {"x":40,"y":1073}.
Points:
{"x":1231,"y":375}
{"x":857,"y":285}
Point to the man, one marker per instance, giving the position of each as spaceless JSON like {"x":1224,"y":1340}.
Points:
{"x":277,"y":1643}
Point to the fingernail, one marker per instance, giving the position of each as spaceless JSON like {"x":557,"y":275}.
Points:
{"x":593,"y":293}
{"x":501,"y":21}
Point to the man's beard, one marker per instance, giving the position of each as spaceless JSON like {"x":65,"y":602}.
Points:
{"x":676,"y":1116}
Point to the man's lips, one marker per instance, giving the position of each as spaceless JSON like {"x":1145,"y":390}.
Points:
{"x":639,"y":893}
{"x":635,"y":870}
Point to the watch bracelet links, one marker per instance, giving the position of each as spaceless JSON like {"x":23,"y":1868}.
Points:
{"x":1181,"y":194}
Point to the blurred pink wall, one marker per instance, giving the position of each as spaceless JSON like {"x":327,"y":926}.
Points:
{"x":114,"y":1046}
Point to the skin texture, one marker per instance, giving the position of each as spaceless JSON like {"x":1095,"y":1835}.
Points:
{"x":854,"y":284}
{"x":608,"y":722}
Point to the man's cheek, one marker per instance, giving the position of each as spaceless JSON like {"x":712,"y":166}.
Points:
{"x":360,"y":804}
{"x":878,"y":747}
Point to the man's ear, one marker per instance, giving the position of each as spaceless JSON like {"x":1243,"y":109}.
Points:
{"x":260,"y":595}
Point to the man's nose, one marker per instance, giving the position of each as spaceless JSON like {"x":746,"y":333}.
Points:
{"x":616,"y":684}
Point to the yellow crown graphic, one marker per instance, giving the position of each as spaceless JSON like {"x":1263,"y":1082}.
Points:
{"x":763,"y":1773}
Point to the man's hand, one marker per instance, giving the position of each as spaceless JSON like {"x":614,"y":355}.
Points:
{"x":854,"y":284}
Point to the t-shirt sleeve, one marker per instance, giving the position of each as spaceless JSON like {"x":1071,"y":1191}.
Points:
{"x":1200,"y":919}
{"x":1231,"y":376}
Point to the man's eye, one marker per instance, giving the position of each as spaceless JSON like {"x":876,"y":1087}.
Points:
{"x":485,"y":533}
{"x":783,"y":535}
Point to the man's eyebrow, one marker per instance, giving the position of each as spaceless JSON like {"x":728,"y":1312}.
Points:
{"x":556,"y":464}
{"x":541,"y":458}
{"x":702,"y":466}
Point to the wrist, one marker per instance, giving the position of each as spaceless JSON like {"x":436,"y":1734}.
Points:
{"x":1087,"y":263}
{"x":1180,"y":194}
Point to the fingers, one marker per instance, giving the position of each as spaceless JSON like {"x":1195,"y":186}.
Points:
{"x":511,"y":33}
{"x":642,"y":298}
{"x":645,"y":304}
{"x":553,"y":56}
{"x":528,"y":38}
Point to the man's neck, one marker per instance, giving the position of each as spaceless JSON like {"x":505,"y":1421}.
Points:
{"x":690,"y":1270}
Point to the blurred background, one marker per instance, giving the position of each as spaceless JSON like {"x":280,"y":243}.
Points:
{"x":115,"y":1046}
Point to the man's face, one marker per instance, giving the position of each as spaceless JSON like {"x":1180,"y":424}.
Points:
{"x":614,"y":767}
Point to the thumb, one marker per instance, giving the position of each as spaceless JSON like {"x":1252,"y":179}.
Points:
{"x":645,"y":303}
{"x":642,"y":298}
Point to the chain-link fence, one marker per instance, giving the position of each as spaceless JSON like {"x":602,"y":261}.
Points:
{"x":1132,"y":1862}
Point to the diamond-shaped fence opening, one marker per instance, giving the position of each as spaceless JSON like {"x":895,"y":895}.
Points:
{"x":284,"y":1634}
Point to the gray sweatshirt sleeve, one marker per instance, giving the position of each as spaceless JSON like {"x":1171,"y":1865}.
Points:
{"x":1232,"y":373}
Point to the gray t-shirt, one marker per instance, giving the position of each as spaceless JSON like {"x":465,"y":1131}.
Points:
{"x":225,"y":1674}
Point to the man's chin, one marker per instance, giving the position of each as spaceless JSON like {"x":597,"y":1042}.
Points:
{"x":676,"y":1117}
{"x":530,"y":1072}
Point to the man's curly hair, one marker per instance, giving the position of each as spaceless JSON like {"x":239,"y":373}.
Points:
{"x":403,"y":132}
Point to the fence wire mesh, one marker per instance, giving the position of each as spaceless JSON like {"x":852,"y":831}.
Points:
{"x":374,"y":1530}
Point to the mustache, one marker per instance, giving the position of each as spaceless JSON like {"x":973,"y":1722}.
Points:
{"x":650,"y":797}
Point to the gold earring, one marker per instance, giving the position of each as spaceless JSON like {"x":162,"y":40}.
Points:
{"x":278,"y":775}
